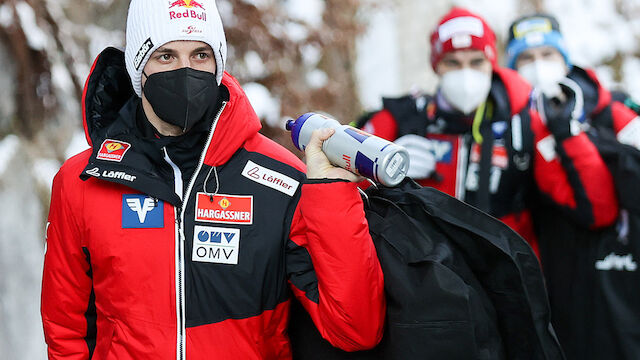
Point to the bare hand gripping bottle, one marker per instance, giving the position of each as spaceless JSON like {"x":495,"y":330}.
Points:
{"x":354,"y":150}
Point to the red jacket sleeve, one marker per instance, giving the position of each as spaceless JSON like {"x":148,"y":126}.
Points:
{"x":333,"y":266}
{"x":574,"y":176}
{"x":382,"y":124}
{"x":66,"y":304}
{"x":626,"y":124}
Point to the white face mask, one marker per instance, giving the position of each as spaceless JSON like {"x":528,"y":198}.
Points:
{"x":465,"y":89}
{"x":545,"y":75}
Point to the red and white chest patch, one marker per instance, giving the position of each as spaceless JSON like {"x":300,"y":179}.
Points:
{"x":225,"y":209}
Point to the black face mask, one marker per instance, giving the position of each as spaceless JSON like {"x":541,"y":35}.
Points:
{"x":182,"y":97}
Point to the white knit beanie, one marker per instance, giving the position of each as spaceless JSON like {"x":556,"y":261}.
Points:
{"x":153,"y":23}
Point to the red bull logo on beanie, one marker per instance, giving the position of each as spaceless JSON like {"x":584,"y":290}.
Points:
{"x":187,"y":4}
{"x":181,"y":9}
{"x":112,"y":150}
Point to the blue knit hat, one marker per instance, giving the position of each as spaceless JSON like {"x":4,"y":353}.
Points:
{"x":533,"y":31}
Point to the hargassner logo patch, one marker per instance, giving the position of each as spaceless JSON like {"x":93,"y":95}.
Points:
{"x":141,"y":211}
{"x":270,"y":178}
{"x":113,"y":150}
{"x":226,"y":209}
{"x":142,"y":53}
{"x":215,"y":245}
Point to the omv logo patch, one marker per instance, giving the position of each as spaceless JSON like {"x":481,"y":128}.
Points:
{"x":215,"y":237}
{"x":215,"y":245}
{"x":141,"y":211}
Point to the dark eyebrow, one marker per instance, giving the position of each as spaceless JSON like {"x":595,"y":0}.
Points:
{"x":165,"y":50}
{"x":203,"y":49}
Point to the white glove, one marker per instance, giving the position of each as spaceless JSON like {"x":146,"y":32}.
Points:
{"x":422,"y":162}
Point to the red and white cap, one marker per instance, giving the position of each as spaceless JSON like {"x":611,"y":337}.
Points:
{"x":461,"y":29}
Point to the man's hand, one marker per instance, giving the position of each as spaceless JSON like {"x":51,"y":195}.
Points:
{"x":561,"y":114}
{"x":422,"y":162}
{"x":318,"y":166}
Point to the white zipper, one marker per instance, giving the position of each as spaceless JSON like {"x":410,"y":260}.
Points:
{"x":180,"y":305}
{"x":202,"y":156}
{"x":462,"y":167}
{"x":179,"y":248}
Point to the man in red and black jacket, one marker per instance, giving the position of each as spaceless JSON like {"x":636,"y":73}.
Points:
{"x":478,"y":139}
{"x":182,"y":233}
{"x":536,"y":49}
{"x":591,"y":275}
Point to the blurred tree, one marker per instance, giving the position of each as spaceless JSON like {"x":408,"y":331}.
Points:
{"x":308,"y":63}
{"x":305,"y":59}
{"x":33,"y":93}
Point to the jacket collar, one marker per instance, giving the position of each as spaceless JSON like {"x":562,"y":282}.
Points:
{"x":596,"y":97}
{"x":517,"y":88}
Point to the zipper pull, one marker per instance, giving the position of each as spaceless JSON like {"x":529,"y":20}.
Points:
{"x":179,"y":223}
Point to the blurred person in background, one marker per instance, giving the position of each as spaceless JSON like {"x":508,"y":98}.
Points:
{"x":592,"y":277}
{"x":183,"y":232}
{"x":537,"y":50}
{"x":477,"y":138}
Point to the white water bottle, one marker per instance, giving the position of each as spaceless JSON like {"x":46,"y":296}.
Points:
{"x":354,"y":150}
